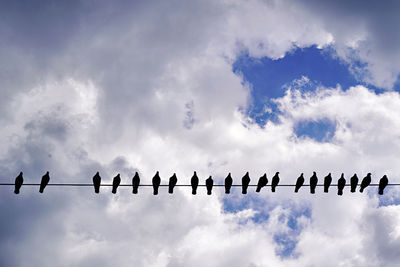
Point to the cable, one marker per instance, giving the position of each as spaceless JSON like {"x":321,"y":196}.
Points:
{"x":178,"y":185}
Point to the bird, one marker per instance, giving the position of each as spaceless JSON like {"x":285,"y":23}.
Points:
{"x":313,"y":182}
{"x":327,"y":182}
{"x":172,"y":182}
{"x":275,"y":181}
{"x":135,"y":183}
{"x":228,"y":183}
{"x":263,"y":181}
{"x":194,"y":181}
{"x":341,"y":184}
{"x":382,"y":184}
{"x":115,"y":184}
{"x":299,"y":183}
{"x":19,"y":180}
{"x":44,"y":182}
{"x":245,"y":183}
{"x":156,"y":183}
{"x":96,"y":182}
{"x":365,"y":182}
{"x":209,"y":185}
{"x":353,"y":183}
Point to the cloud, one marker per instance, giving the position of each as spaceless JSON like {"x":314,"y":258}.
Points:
{"x":146,"y":87}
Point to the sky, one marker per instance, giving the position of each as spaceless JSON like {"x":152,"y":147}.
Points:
{"x":207,"y":86}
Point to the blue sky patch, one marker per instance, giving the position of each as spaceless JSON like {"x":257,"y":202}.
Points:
{"x":321,"y":130}
{"x":269,"y":78}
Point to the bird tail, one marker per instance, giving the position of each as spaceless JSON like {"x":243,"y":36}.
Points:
{"x":16,"y":191}
{"x":296,"y":190}
{"x":244,"y":190}
{"x":209,"y":192}
{"x":353,"y":189}
{"x":340,"y":192}
{"x":326,"y":189}
{"x":41,"y":190}
{"x":273,"y":189}
{"x":380,"y":191}
{"x":114,"y":190}
{"x":194,"y":191}
{"x":258,"y":189}
{"x":134,"y":190}
{"x":312,"y":190}
{"x":171,"y":190}
{"x":97,"y":189}
{"x":155,"y":191}
{"x":361,"y":189}
{"x":227,"y":190}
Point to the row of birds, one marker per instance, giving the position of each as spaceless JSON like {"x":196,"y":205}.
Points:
{"x":194,"y":182}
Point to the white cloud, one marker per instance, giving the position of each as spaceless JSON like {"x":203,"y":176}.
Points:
{"x":113,"y":94}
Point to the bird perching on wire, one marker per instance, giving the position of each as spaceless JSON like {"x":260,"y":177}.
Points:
{"x":45,"y":181}
{"x":327,"y":182}
{"x":19,"y":180}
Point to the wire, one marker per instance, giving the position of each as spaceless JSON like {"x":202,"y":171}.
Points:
{"x":178,"y":185}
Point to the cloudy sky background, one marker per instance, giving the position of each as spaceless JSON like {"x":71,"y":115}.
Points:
{"x":211,"y":86}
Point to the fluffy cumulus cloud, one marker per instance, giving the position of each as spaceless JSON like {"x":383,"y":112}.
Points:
{"x":121,"y":87}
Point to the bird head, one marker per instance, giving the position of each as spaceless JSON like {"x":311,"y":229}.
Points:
{"x":47,"y":173}
{"x":342,"y":176}
{"x":174,"y":175}
{"x":20,"y":173}
{"x":97,"y":173}
{"x":301,"y":175}
{"x":276,"y":173}
{"x":369,"y":174}
{"x":118,"y":175}
{"x":314,"y":173}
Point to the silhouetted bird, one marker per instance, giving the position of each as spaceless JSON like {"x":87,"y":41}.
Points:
{"x":353,"y":183}
{"x":341,"y":184}
{"x":313,"y":182}
{"x":115,"y":184}
{"x":263,"y":181}
{"x":19,"y":180}
{"x":156,"y":183}
{"x":365,"y":182}
{"x":194,"y":181}
{"x":299,"y":183}
{"x":135,"y":183}
{"x":96,"y":182}
{"x":172,"y":182}
{"x":383,"y":182}
{"x":44,"y":182}
{"x":327,"y":182}
{"x":275,"y":181}
{"x":209,"y":185}
{"x":245,"y":183}
{"x":228,"y":183}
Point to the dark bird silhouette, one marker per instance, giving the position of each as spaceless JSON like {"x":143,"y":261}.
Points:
{"x":228,"y":183}
{"x":209,"y":185}
{"x":156,"y":183}
{"x":44,"y":182}
{"x":135,"y":183}
{"x":245,"y":183}
{"x":19,"y":180}
{"x":327,"y":182}
{"x":383,"y":182}
{"x":194,"y":181}
{"x":172,"y":182}
{"x":353,"y":183}
{"x":299,"y":183}
{"x":313,"y":182}
{"x":263,"y":181}
{"x":365,"y":182}
{"x":275,"y":181}
{"x":341,"y":184}
{"x":115,"y":184}
{"x":96,"y":182}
